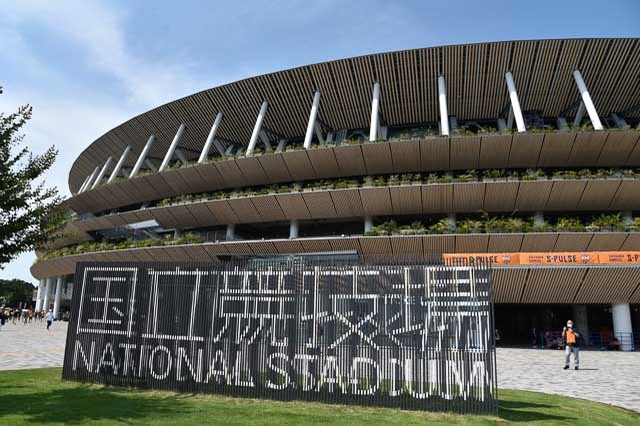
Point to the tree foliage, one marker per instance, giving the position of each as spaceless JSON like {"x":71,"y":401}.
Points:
{"x":29,"y":212}
{"x":12,"y":292}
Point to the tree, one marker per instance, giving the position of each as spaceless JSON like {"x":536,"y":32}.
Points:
{"x":12,"y":292}
{"x":29,"y":212}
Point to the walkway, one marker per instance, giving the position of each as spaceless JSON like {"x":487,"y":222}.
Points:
{"x":609,"y":377}
{"x":31,"y":345}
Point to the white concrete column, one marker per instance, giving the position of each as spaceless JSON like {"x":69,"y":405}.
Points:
{"x":627,"y":218}
{"x":39,"y":295}
{"x":183,"y":158}
{"x":451,"y":219}
{"x":47,"y":289}
{"x":622,"y":328}
{"x":293,"y":229}
{"x":257,"y":128}
{"x":91,"y":178}
{"x":141,"y":158}
{"x":375,"y":113}
{"x":619,"y":121}
{"x":84,"y":184}
{"x":581,"y":319}
{"x":368,"y":223}
{"x":150,"y":164}
{"x":102,"y":172}
{"x":231,"y":232}
{"x":579,"y":114}
{"x":586,"y":100}
{"x":444,"y":113}
{"x":515,"y":103}
{"x":313,"y":115}
{"x":56,"y":299}
{"x":172,"y":147}
{"x":318,"y":129}
{"x":118,"y":167}
{"x":538,"y":218}
{"x":210,"y":139}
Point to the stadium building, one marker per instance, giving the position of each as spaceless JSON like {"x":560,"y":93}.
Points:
{"x":522,"y":153}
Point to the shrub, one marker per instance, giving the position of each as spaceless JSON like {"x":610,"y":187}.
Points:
{"x":569,"y":224}
{"x":440,"y":227}
{"x":606,"y":221}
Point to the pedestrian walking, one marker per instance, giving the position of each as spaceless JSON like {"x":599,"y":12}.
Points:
{"x":49,"y":319}
{"x":3,"y":318}
{"x":571,"y":339}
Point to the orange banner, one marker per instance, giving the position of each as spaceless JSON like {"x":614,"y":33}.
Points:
{"x":619,"y":257}
{"x":545,"y":258}
{"x":482,"y":258}
{"x":565,"y":258}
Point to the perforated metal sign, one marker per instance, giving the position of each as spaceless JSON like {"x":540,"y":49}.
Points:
{"x":415,"y":336}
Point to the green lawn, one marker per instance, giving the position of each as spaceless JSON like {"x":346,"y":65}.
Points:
{"x":39,"y":396}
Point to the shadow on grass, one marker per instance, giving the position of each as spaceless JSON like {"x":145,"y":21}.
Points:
{"x":521,"y":411}
{"x":89,"y":403}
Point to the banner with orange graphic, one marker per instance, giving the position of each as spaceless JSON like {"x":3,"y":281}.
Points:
{"x":545,"y":258}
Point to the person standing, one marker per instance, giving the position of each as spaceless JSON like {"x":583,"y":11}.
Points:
{"x":571,"y":339}
{"x":49,"y":319}
{"x":3,"y":318}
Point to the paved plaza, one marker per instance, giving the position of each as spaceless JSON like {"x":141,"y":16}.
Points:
{"x":609,"y":377}
{"x":31,"y":345}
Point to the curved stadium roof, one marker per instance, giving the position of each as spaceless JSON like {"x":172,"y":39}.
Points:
{"x":476,"y":89}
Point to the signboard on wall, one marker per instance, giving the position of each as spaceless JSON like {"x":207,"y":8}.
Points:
{"x":544,"y":258}
{"x":414,"y":336}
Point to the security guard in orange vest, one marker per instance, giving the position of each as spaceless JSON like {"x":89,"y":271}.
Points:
{"x":571,"y":339}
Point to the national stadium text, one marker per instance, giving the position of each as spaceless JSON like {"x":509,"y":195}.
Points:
{"x":409,"y":335}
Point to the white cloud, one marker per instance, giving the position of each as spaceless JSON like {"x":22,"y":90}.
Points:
{"x":66,"y":114}
{"x":99,"y":32}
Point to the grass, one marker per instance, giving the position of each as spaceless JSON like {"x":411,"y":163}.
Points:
{"x":40,"y":396}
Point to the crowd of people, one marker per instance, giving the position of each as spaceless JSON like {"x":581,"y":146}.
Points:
{"x":28,"y":316}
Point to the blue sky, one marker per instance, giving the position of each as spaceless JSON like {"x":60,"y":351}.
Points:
{"x":87,"y":66}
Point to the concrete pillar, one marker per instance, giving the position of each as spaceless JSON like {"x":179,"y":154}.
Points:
{"x":538,"y":219}
{"x":622,"y":328}
{"x":368,"y":223}
{"x":318,"y":129}
{"x":619,"y":121}
{"x":56,"y":299}
{"x":581,"y":320}
{"x":375,"y":115}
{"x":586,"y":100}
{"x":118,"y":167}
{"x":627,"y":218}
{"x":579,"y":114}
{"x":174,"y":143}
{"x":210,"y":140}
{"x":257,"y":128}
{"x":293,"y":229}
{"x":103,"y":170}
{"x":451,"y":218}
{"x":312,"y":120}
{"x":177,"y":233}
{"x":91,"y":178}
{"x":47,"y":288}
{"x":444,"y":114}
{"x":39,"y":295}
{"x":84,"y":184}
{"x":231,"y":232}
{"x":515,"y":103}
{"x":561,"y":122}
{"x":141,"y":158}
